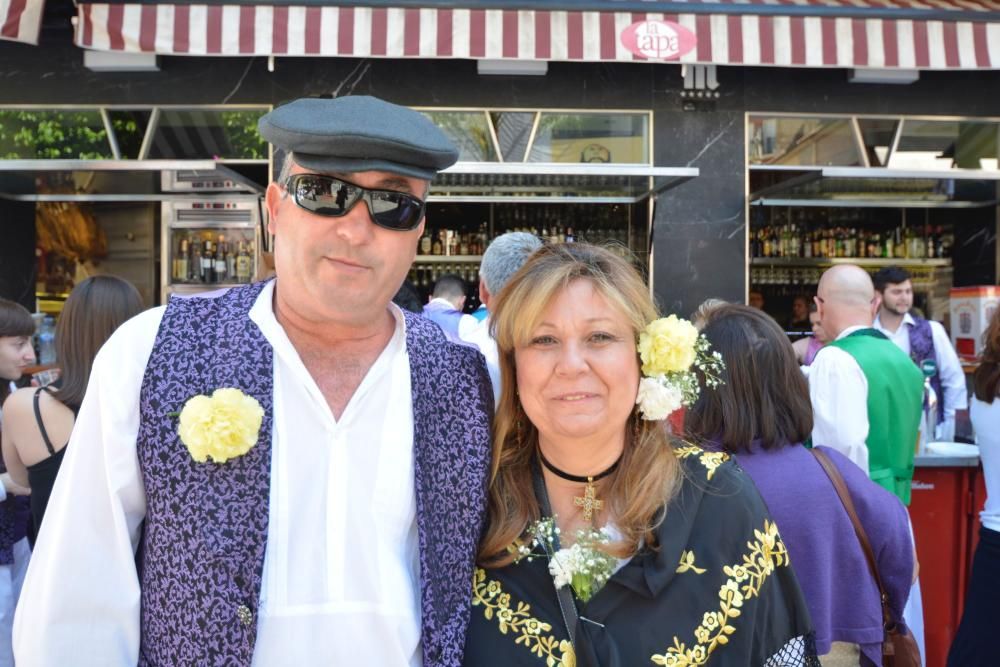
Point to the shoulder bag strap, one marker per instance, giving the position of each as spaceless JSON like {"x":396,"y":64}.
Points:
{"x":845,"y":497}
{"x":567,"y":605}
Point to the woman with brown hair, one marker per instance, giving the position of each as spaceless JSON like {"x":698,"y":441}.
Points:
{"x":761,"y":415}
{"x":973,"y":644}
{"x":606,"y":543}
{"x":16,"y":354}
{"x":38,"y":422}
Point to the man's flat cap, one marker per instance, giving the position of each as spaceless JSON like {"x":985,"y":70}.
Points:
{"x":359,"y":133}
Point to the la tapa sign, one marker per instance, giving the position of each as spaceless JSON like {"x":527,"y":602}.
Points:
{"x":658,"y":40}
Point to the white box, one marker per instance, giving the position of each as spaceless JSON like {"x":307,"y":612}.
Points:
{"x":971,"y":311}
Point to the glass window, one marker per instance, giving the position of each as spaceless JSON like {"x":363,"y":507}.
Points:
{"x":470,"y":131}
{"x":878,"y":135}
{"x":935,"y":144}
{"x":129,"y":126}
{"x":803,"y":141}
{"x":189,"y":134}
{"x":31,"y":134}
{"x":513,"y":129}
{"x":621,"y":138}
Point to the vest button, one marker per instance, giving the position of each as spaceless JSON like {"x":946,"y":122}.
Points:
{"x":244,"y":614}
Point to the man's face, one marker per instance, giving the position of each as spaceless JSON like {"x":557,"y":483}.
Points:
{"x":897,"y":298}
{"x":756,"y":300}
{"x":800,"y":309}
{"x":16,"y":354}
{"x":343,"y":269}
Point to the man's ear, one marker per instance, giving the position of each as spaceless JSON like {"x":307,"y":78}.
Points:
{"x":484,"y":294}
{"x":271,"y":199}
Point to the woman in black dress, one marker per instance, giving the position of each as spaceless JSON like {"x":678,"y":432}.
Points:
{"x":698,"y":573}
{"x":38,"y":421}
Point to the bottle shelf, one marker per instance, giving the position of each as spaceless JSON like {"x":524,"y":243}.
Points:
{"x":859,"y":261}
{"x":447,"y":259}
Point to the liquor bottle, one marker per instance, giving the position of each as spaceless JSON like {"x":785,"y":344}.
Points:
{"x":221,"y":251}
{"x":570,"y":238}
{"x":463,"y":245}
{"x":243,"y":264}
{"x":436,"y":248}
{"x":207,"y":263}
{"x":426,"y":243}
{"x":181,"y":263}
{"x":194,"y":261}
{"x":898,"y":247}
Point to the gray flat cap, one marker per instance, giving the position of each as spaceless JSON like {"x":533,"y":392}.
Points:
{"x":359,"y":133}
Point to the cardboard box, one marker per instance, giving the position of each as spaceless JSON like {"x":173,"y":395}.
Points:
{"x":971,"y":311}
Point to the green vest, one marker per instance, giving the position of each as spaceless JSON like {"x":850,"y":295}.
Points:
{"x":895,"y":403}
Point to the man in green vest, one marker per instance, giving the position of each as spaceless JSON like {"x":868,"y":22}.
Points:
{"x":866,"y":394}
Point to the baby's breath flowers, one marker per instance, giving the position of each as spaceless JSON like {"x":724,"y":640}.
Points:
{"x":585,"y":566}
{"x":669,"y":347}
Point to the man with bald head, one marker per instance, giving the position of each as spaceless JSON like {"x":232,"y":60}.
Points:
{"x":866,"y":393}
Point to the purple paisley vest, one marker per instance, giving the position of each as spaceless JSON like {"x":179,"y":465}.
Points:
{"x":201,"y":554}
{"x":922,"y":347}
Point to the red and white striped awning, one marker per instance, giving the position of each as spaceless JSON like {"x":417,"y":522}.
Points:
{"x":964,"y":34}
{"x":21,"y":20}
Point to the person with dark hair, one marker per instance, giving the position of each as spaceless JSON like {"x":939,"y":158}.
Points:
{"x":798,"y":320}
{"x":16,"y":354}
{"x":407,"y":298}
{"x":39,"y":420}
{"x":445,"y":308}
{"x":693,"y":570}
{"x":921,"y":339}
{"x":974,"y":644}
{"x":807,"y":348}
{"x":761,"y":415}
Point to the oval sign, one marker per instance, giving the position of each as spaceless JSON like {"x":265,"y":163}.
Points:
{"x":658,"y":40}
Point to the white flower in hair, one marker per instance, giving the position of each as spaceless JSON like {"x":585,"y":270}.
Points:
{"x":658,"y":400}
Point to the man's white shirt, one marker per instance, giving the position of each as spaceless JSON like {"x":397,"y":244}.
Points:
{"x":481,"y":338}
{"x":838,"y":391}
{"x":949,"y":368}
{"x":341,"y":568}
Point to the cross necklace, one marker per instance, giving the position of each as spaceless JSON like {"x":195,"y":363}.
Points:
{"x":589,"y":500}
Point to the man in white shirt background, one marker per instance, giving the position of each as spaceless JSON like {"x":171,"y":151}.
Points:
{"x":503,"y":258}
{"x":445,"y":308}
{"x":338,"y":524}
{"x":921,"y":339}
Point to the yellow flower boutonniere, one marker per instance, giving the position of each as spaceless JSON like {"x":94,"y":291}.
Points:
{"x":221,"y":426}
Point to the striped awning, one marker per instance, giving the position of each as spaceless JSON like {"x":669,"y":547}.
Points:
{"x":21,"y":20}
{"x":885,"y":34}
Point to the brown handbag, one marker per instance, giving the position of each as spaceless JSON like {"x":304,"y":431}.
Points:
{"x":898,"y":649}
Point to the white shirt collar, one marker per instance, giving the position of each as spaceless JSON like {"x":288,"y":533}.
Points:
{"x":849,"y":330}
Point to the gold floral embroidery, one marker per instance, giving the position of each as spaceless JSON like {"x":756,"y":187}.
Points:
{"x":687,"y":564}
{"x":711,"y":460}
{"x":557,"y":653}
{"x":744,"y":583}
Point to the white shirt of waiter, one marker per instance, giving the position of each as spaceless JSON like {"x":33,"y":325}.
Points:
{"x":949,"y":368}
{"x":838,"y":391}
{"x":481,"y":338}
{"x":341,"y":568}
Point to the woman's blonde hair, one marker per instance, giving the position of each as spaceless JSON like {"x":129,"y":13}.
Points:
{"x":648,"y":474}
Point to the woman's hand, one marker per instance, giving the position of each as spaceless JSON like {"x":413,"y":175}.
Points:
{"x":12,"y":487}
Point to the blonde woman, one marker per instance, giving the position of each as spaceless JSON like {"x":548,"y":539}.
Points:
{"x":654,"y":553}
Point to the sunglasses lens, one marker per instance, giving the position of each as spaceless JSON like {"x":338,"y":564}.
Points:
{"x":395,"y":210}
{"x":324,"y":196}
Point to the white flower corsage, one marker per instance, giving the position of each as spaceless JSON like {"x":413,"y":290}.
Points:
{"x":221,"y":426}
{"x":669,"y":348}
{"x":585,"y":566}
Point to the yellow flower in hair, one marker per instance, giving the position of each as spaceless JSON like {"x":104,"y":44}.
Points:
{"x":667,"y":346}
{"x":221,"y":426}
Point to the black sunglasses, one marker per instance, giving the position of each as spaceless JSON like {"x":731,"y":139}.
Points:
{"x":333,"y":197}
